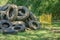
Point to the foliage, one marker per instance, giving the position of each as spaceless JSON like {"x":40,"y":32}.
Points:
{"x":38,"y":6}
{"x":3,"y":2}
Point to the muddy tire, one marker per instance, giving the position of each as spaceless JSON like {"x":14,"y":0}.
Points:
{"x":31,"y":16}
{"x":3,"y":15}
{"x":34,"y":25}
{"x":8,"y":31}
{"x":12,"y":12}
{"x":23,"y":13}
{"x":19,"y":26}
{"x":5,"y":24}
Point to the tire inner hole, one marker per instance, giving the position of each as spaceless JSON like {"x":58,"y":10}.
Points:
{"x":6,"y":25}
{"x":17,"y":28}
{"x":35,"y":24}
{"x":10,"y":12}
{"x":4,"y":17}
{"x":0,"y":28}
{"x":22,"y":11}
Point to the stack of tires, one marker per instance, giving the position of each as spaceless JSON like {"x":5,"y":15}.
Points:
{"x":15,"y":19}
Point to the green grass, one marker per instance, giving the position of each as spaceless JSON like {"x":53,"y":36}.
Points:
{"x":3,"y":2}
{"x":56,"y":24}
{"x":32,"y":35}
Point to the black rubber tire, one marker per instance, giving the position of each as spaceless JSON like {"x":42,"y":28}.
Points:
{"x":3,"y":15}
{"x":23,"y":13}
{"x":5,"y":7}
{"x":0,"y":30}
{"x":31,"y":16}
{"x":12,"y":12}
{"x":20,"y":27}
{"x":0,"y":8}
{"x":34,"y":25}
{"x":9,"y":31}
{"x":5,"y":24}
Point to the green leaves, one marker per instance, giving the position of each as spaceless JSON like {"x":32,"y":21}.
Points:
{"x":37,"y":6}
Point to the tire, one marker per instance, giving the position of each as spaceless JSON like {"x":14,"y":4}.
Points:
{"x":19,"y":26}
{"x":5,"y":24}
{"x":8,"y":31}
{"x":23,"y":13}
{"x":26,"y":23}
{"x":0,"y":30}
{"x":31,"y":16}
{"x":12,"y":12}
{"x":5,"y":7}
{"x":3,"y":15}
{"x":0,"y":8}
{"x":34,"y":25}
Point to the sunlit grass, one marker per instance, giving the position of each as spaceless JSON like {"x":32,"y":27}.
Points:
{"x":3,"y":2}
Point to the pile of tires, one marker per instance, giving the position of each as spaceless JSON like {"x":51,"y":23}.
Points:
{"x":15,"y":19}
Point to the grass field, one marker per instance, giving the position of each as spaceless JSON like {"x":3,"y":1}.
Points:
{"x":42,"y":34}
